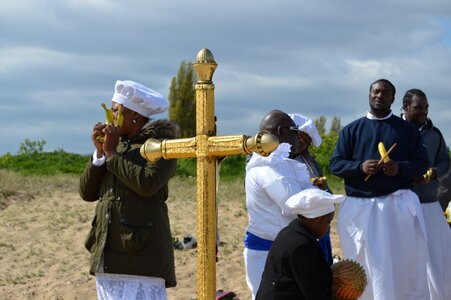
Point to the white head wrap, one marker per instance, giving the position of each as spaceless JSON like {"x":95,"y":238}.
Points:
{"x":139,"y":98}
{"x":313,"y":202}
{"x":308,"y":126}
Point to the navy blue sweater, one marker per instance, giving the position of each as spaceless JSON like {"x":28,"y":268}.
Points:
{"x":358,"y":142}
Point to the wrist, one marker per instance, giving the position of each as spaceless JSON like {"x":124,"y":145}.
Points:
{"x":110,"y":155}
{"x":100,"y":154}
{"x":98,"y":160}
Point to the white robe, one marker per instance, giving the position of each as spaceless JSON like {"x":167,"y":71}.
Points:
{"x":254,"y":263}
{"x":439,"y":245}
{"x":270,"y":181}
{"x":387,"y":236}
{"x":129,"y":287}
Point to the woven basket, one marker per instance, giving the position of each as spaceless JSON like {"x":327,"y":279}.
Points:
{"x":348,"y":280}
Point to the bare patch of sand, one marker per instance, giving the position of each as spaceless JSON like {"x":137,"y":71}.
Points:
{"x":42,"y":254}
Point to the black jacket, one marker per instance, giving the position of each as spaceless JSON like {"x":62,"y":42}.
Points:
{"x":438,"y":159}
{"x":295,"y":268}
{"x":444,"y":190}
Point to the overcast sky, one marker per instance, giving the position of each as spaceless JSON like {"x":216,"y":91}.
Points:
{"x":59,"y":59}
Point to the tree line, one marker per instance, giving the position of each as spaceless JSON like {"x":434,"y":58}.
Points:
{"x":182,"y":109}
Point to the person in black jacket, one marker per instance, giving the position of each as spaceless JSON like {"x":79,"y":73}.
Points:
{"x":296,"y":267}
{"x":416,"y":106}
{"x":444,"y":190}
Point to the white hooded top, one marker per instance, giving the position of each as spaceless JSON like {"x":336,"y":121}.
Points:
{"x":270,"y":182}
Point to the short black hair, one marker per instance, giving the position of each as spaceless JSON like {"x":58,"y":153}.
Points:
{"x":273,"y":119}
{"x":407,"y":99}
{"x":387,"y":82}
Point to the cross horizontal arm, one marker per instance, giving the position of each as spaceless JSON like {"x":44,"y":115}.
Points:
{"x":262,"y":143}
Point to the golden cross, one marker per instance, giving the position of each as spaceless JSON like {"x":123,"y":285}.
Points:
{"x":207,"y":148}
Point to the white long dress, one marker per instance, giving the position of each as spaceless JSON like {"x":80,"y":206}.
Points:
{"x":270,"y":181}
{"x":387,"y":236}
{"x":439,"y":245}
{"x":129,"y":287}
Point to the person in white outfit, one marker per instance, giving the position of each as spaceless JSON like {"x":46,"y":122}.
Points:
{"x":269,"y":182}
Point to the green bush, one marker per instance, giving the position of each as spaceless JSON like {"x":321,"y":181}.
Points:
{"x":231,"y":167}
{"x":186,"y":167}
{"x":61,"y":162}
{"x":44,"y":163}
{"x":324,"y":152}
{"x":31,"y":159}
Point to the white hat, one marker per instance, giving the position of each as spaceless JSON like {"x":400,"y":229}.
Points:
{"x":306,"y":125}
{"x":139,"y":98}
{"x":313,"y":202}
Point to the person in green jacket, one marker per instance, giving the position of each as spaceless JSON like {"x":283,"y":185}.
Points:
{"x":130,"y":241}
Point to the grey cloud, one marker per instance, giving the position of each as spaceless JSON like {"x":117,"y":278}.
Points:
{"x":59,"y":60}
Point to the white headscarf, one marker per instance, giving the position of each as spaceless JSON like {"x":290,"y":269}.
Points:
{"x":312,"y":203}
{"x":139,"y":98}
{"x":306,"y":125}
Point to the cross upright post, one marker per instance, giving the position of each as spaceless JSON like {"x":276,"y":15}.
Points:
{"x":207,"y":148}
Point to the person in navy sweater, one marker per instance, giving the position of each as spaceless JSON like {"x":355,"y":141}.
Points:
{"x":381,"y":223}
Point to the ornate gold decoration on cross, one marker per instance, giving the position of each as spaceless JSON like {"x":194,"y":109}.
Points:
{"x":207,"y":148}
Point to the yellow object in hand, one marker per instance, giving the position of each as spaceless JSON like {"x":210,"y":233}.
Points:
{"x":448,"y":213}
{"x":427,"y":176}
{"x":318,"y":181}
{"x":109,"y":115}
{"x":384,"y":155}
{"x":383,"y":152}
{"x":109,"y":119}
{"x":119,"y":116}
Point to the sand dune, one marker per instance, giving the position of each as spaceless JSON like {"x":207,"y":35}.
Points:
{"x":43,"y":226}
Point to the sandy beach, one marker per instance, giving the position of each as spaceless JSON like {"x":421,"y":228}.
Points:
{"x":43,"y":225}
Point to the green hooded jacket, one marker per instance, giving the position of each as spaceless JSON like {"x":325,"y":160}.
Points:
{"x":130,"y":228}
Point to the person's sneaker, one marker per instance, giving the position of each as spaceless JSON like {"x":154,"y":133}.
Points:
{"x":177,"y":244}
{"x":225,"y":295}
{"x":189,"y":242}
